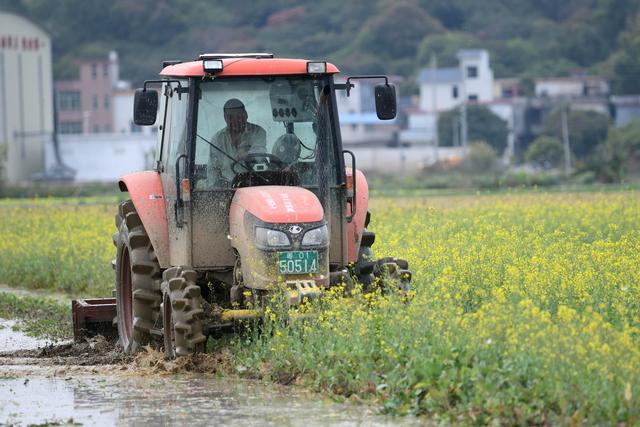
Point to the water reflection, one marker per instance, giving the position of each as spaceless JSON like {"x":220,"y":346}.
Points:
{"x":180,"y":400}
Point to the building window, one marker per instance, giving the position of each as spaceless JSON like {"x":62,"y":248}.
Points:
{"x":70,"y":128}
{"x":454,"y":92}
{"x":95,"y":102}
{"x":473,"y":98}
{"x":69,"y":100}
{"x":107,"y":128}
{"x":94,"y":71}
{"x":106,"y":102}
{"x":472,"y":72}
{"x":105,"y":70}
{"x":507,"y":92}
{"x":96,"y":129}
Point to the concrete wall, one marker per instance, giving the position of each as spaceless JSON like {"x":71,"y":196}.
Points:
{"x":442,"y":99}
{"x":26,"y":104}
{"x":104,"y":157}
{"x":402,"y":161}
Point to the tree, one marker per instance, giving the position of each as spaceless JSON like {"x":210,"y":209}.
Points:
{"x":482,"y":125}
{"x":444,"y":46}
{"x":620,"y":149}
{"x":480,"y":159}
{"x":587,"y":129}
{"x":625,"y":62}
{"x":545,"y":151}
{"x":396,"y":32}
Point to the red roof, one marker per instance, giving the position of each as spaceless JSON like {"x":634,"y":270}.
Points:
{"x":245,"y":67}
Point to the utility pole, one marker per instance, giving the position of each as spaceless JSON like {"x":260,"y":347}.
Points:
{"x":565,"y":140}
{"x":455,"y":131}
{"x":463,"y":107}
{"x":434,"y":94}
{"x":463,"y":124}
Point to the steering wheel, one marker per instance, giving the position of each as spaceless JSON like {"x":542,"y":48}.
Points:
{"x":252,"y":159}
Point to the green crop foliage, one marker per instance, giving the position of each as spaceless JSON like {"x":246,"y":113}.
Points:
{"x":525,"y":310}
{"x":58,"y":245}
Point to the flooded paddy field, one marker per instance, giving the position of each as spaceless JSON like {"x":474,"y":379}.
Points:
{"x":95,"y":384}
{"x":100,"y":399}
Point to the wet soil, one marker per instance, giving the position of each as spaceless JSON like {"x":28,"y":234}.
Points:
{"x":95,"y":383}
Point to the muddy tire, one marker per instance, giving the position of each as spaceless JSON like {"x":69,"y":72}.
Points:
{"x":182,"y":313}
{"x":138,"y":277}
{"x":389,"y":273}
{"x":364,"y":267}
{"x":393,"y":273}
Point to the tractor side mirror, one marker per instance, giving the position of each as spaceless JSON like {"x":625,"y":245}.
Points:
{"x":145,"y":107}
{"x":385,"y":101}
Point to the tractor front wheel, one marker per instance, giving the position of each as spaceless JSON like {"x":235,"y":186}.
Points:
{"x":182,"y":313}
{"x":138,"y":277}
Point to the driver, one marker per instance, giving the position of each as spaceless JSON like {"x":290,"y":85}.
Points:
{"x":237,"y":139}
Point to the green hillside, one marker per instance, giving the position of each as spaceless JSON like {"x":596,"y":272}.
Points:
{"x":526,"y":38}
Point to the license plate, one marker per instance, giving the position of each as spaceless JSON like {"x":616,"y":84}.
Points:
{"x":298,"y":262}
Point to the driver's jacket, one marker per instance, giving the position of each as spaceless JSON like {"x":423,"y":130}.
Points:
{"x":252,"y":140}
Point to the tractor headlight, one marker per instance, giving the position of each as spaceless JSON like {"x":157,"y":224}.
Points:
{"x":267,"y":237}
{"x":316,"y":237}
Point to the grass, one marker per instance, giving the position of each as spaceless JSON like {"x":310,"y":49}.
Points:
{"x":38,"y":317}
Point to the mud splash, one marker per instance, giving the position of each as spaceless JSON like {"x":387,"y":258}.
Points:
{"x":151,"y":361}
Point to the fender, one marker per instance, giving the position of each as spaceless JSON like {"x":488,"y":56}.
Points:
{"x":355,"y":228}
{"x":147,"y":195}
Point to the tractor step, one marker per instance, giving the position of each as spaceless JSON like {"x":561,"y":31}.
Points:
{"x":93,"y":316}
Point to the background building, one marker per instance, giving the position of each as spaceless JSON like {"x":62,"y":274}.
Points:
{"x":442,"y":89}
{"x":85,"y":104}
{"x":359,"y":124}
{"x":26,"y":105}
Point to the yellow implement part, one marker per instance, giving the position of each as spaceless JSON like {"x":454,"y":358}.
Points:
{"x":231,"y":315}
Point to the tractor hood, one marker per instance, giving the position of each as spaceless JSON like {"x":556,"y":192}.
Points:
{"x":279,"y":204}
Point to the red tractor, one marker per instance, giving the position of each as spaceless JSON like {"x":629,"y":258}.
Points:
{"x":250,"y":193}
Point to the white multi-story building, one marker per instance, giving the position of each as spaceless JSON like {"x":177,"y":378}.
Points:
{"x":442,"y":89}
{"x":26,"y":97}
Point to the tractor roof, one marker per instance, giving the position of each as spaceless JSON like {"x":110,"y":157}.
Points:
{"x":245,"y":67}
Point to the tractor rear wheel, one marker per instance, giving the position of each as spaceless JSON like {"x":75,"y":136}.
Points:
{"x":138,"y":277}
{"x":182,"y":313}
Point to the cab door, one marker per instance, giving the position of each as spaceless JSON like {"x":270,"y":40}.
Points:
{"x":174,"y":169}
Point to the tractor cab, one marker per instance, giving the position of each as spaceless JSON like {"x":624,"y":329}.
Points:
{"x":247,"y":121}
{"x":250,"y":193}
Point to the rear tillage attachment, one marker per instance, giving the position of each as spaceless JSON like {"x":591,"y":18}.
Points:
{"x":392,"y":269}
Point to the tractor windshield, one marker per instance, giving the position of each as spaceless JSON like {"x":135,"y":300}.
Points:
{"x":262,"y":131}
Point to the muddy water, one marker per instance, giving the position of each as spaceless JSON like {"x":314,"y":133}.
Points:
{"x":187,"y":400}
{"x":93,"y":384}
{"x":11,"y":339}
